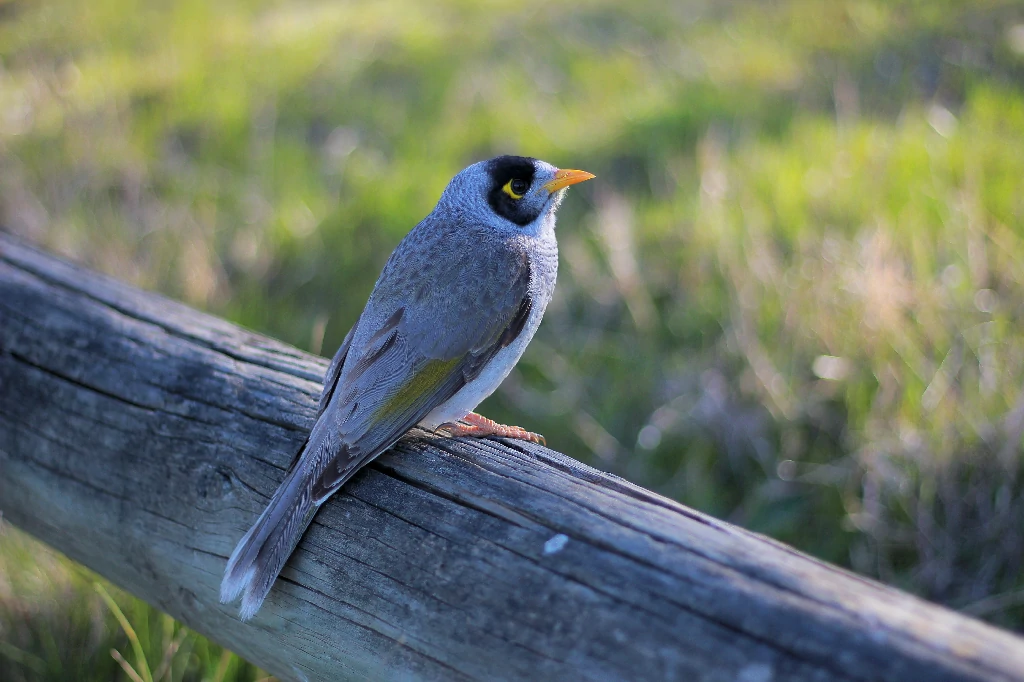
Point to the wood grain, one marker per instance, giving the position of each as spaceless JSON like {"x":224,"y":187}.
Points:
{"x":142,"y":438}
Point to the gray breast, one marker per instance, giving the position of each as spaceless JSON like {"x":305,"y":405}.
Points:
{"x":543,"y":252}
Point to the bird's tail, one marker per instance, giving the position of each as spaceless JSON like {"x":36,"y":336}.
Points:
{"x":263,"y":551}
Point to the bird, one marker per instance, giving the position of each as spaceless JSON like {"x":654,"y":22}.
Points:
{"x":451,"y":313}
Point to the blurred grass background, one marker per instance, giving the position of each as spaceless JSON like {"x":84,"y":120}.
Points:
{"x":793,"y":297}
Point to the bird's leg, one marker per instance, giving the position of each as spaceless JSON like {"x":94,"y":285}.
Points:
{"x":479,"y":426}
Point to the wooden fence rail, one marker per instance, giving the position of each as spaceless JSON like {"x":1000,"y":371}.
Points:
{"x":141,"y":438}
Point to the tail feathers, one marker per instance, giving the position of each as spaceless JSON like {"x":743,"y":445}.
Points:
{"x":263,"y":551}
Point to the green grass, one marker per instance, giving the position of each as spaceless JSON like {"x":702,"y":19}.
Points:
{"x":791,"y":298}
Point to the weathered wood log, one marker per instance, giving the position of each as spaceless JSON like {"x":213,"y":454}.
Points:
{"x":142,"y":438}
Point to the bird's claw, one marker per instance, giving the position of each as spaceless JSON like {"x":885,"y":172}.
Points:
{"x":479,"y":426}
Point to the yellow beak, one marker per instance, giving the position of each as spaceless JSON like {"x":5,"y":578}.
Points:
{"x":566,"y":177}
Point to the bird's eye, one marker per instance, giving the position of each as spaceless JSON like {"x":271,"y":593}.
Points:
{"x":515,"y":188}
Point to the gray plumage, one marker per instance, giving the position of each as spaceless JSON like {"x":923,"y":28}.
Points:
{"x":451,"y":313}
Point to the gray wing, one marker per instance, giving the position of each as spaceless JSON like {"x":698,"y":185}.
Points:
{"x":435,"y":340}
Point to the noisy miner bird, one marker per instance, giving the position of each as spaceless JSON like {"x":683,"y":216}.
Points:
{"x":450,"y":315}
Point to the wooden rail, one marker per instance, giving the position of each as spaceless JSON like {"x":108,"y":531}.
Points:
{"x":142,"y":438}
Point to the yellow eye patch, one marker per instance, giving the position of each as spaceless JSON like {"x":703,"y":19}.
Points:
{"x":515,"y":188}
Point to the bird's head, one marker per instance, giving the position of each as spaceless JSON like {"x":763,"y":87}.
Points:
{"x":515,"y":189}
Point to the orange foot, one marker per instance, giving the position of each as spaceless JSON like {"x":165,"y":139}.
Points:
{"x":479,"y":426}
